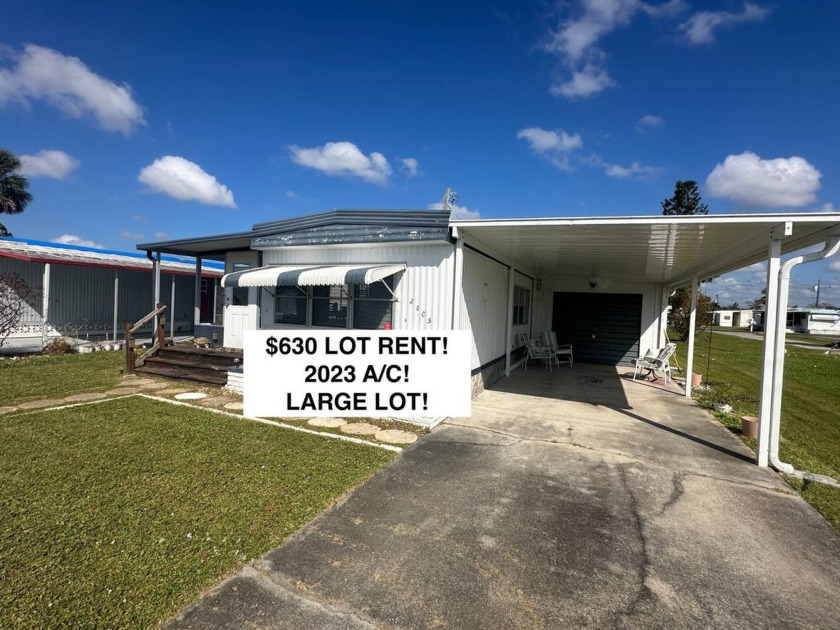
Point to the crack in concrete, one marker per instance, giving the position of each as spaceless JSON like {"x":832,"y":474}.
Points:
{"x":676,"y":493}
{"x":644,"y":591}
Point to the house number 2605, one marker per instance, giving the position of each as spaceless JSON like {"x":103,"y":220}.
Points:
{"x":419,"y":309}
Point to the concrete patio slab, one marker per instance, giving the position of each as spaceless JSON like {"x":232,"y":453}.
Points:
{"x":566,"y":500}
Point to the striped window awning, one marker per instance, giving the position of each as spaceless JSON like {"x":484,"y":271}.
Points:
{"x":310,"y":275}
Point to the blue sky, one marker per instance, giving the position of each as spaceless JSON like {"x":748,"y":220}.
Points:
{"x":161,"y":120}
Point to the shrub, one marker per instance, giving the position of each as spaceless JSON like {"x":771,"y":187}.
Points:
{"x":59,"y":346}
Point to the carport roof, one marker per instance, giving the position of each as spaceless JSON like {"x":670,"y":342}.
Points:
{"x":660,"y":249}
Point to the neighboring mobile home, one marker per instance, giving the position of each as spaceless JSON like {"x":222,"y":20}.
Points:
{"x":814,"y":321}
{"x":728,"y":318}
{"x":90,"y":293}
{"x":602,"y":283}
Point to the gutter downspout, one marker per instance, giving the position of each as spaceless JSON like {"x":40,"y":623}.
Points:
{"x":831,"y":246}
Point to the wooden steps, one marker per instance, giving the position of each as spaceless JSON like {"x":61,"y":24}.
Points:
{"x":199,"y":366}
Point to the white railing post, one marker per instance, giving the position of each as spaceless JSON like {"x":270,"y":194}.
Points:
{"x":197,"y":293}
{"x":45,"y":303}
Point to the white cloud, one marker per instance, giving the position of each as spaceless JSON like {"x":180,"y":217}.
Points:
{"x":72,"y":239}
{"x":291,"y":194}
{"x":700,"y":27}
{"x":131,"y":236}
{"x":834,"y":266}
{"x":68,"y":84}
{"x":649,"y":121}
{"x":461,"y":213}
{"x":140,"y":218}
{"x":575,"y":41}
{"x":575,"y":37}
{"x":343,"y":158}
{"x":161,"y":236}
{"x":411,"y":166}
{"x":547,"y":140}
{"x":186,"y":181}
{"x":669,"y":9}
{"x":634,"y":170}
{"x":588,"y":81}
{"x":827,"y":207}
{"x":553,"y":145}
{"x":48,"y":163}
{"x":751,"y":181}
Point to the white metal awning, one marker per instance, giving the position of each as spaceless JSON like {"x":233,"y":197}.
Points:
{"x":665,"y":250}
{"x":310,"y":275}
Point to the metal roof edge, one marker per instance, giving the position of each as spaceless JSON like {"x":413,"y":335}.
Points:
{"x":95,"y":250}
{"x":769,"y":217}
{"x":418,"y":218}
{"x":153,"y":246}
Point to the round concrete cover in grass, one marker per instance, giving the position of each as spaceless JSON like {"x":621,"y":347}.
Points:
{"x":4,"y":410}
{"x":84,"y":397}
{"x":395,"y":436}
{"x":235,"y":406}
{"x":359,"y":428}
{"x":40,"y":404}
{"x":330,"y":423}
{"x":191,"y":396}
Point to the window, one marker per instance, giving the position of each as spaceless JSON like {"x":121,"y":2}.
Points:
{"x":372,"y":305}
{"x":290,"y":306}
{"x":329,"y":306}
{"x":240,"y":294}
{"x":359,"y":306}
{"x":521,"y":305}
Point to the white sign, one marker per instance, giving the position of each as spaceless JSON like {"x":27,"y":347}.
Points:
{"x":357,"y":373}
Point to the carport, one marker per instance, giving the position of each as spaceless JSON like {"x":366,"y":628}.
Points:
{"x":662,"y":253}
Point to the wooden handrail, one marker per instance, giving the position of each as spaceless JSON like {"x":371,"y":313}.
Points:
{"x":159,"y":340}
{"x":160,"y":308}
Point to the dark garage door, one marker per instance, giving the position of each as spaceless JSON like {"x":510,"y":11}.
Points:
{"x":603,"y":327}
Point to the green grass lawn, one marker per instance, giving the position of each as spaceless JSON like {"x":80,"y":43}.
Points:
{"x":810,"y":404}
{"x":57,"y":376}
{"x":118,"y":514}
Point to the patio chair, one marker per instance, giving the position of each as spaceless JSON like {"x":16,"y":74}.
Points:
{"x":655,"y":362}
{"x":562,"y":354}
{"x":536,"y":350}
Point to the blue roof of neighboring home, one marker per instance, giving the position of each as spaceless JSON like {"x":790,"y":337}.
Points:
{"x":44,"y":251}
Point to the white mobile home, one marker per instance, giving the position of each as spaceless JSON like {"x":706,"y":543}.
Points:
{"x":729,"y":318}
{"x":601,"y":283}
{"x":814,"y":321}
{"x":90,"y":293}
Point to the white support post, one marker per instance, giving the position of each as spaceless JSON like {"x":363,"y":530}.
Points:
{"x":458,"y":279}
{"x":692,"y":321}
{"x":197,"y":293}
{"x":215,"y":298}
{"x":768,"y":354}
{"x":172,"y":310}
{"x":663,"y":319}
{"x":116,"y":300}
{"x":156,"y":297}
{"x":45,"y":303}
{"x":509,"y":327}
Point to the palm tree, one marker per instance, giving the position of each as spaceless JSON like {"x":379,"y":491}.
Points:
{"x":14,"y":195}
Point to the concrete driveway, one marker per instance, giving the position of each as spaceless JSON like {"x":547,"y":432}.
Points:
{"x":571,"y":499}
